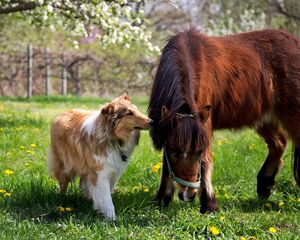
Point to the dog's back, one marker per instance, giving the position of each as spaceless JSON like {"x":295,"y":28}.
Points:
{"x":66,"y":148}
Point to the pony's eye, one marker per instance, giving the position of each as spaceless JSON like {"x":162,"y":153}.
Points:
{"x":173,"y":154}
{"x":130,"y":113}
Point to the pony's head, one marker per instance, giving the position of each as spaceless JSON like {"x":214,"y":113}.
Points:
{"x":184,"y":139}
{"x":178,"y":127}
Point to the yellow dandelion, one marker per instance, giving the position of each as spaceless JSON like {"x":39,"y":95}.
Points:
{"x":22,"y":147}
{"x":18,"y":129}
{"x":2,"y":191}
{"x":214,"y":230}
{"x":8,"y":172}
{"x":268,"y":205}
{"x":68,"y":209}
{"x":252,"y":238}
{"x":33,"y":145}
{"x":30,"y":151}
{"x":7,"y":194}
{"x":146,"y":189}
{"x":219,"y":142}
{"x":272,"y":230}
{"x":156,"y":167}
{"x":226,"y":196}
{"x":222,"y":218}
{"x":61,"y":209}
{"x":243,"y":238}
{"x":280,"y":204}
{"x":298,"y":200}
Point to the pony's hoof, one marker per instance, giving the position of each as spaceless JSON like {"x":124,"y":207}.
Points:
{"x":163,"y":201}
{"x":264,"y":186}
{"x":209,"y":208}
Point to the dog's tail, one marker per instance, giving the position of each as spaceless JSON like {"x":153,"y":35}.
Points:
{"x":296,"y":165}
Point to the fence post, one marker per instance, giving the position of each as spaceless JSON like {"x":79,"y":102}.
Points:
{"x":29,"y":71}
{"x":78,"y":82}
{"x":64,"y":76}
{"x":48,"y":78}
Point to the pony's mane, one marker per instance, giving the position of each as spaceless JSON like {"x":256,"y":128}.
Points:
{"x":172,"y":86}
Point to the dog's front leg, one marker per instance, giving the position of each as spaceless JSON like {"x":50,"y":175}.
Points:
{"x":100,"y":191}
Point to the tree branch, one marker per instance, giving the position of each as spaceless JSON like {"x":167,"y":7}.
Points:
{"x":281,"y":10}
{"x":25,"y":6}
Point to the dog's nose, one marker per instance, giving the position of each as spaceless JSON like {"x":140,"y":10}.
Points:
{"x":151,"y":122}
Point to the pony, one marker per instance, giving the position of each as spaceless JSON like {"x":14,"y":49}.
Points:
{"x":204,"y":83}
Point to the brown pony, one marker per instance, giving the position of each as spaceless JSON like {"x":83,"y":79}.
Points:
{"x":205,"y":83}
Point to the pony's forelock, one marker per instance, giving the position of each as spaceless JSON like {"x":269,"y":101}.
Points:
{"x":171,"y":87}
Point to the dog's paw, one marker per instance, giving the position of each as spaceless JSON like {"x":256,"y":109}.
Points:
{"x":108,"y":213}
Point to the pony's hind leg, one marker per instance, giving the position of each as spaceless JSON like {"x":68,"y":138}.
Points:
{"x":276,"y":142}
{"x":296,"y":165}
{"x":292,"y":125}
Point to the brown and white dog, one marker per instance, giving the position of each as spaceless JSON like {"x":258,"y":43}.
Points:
{"x":95,"y":145}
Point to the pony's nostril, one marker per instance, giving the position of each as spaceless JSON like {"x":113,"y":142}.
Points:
{"x":180,"y":195}
{"x":192,"y":198}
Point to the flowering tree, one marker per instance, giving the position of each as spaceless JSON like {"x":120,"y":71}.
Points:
{"x":118,"y":22}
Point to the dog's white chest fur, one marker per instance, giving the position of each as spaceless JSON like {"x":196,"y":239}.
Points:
{"x":113,"y":165}
{"x":116,"y":160}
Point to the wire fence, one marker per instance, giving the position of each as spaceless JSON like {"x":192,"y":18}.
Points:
{"x":38,"y":71}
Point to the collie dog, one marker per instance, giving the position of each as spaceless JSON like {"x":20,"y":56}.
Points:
{"x":95,"y":145}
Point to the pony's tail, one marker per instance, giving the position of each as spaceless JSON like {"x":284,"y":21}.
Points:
{"x":296,"y":166}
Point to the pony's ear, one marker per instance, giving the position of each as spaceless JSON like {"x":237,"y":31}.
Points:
{"x":125,"y":97}
{"x":205,"y":113}
{"x":108,"y":109}
{"x":165,"y":113}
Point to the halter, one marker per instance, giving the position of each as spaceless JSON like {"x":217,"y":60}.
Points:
{"x":180,"y":180}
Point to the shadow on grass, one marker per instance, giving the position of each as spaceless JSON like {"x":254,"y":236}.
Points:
{"x":289,"y":193}
{"x":38,"y":201}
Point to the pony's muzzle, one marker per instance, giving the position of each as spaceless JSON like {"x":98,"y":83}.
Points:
{"x":187,"y":194}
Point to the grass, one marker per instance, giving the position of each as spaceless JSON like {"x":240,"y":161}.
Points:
{"x":29,"y":207}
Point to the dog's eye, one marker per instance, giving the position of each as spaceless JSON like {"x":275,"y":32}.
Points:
{"x":130,"y":113}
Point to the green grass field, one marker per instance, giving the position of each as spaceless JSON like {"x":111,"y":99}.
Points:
{"x":32,"y":208}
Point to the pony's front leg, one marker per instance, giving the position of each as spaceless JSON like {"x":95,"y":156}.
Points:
{"x":277,"y":142}
{"x":166,"y":190}
{"x":207,"y":197}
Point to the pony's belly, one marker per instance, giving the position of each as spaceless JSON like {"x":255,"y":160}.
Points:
{"x":241,"y":121}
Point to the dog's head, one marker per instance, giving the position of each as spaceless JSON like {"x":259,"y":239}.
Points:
{"x":124,"y":117}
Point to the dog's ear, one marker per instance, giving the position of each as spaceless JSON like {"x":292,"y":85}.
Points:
{"x":108,"y":109}
{"x":125,"y":97}
{"x":205,"y":113}
{"x":165,"y":113}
